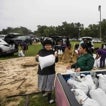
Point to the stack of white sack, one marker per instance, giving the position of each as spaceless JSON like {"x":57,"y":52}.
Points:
{"x":79,"y":85}
{"x":98,"y":95}
{"x":97,"y":63}
{"x":102,"y":82}
{"x":86,"y":83}
{"x":83,"y":99}
{"x":46,"y":61}
{"x":89,"y":81}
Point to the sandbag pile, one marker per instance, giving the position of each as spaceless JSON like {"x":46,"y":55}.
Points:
{"x":89,"y":90}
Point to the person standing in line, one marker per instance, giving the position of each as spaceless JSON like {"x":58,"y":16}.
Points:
{"x":46,"y":73}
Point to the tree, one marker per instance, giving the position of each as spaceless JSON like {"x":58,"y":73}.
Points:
{"x":21,"y":30}
{"x":103,"y":29}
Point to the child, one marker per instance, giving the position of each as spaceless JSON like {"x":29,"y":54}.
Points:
{"x":46,"y":69}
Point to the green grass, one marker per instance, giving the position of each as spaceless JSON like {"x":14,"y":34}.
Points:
{"x":32,"y":51}
{"x":95,"y":44}
{"x":37,"y":100}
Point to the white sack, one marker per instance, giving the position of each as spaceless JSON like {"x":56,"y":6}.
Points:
{"x":98,"y":95}
{"x":46,"y":61}
{"x":79,"y":85}
{"x":20,"y":53}
{"x":89,"y":81}
{"x":83,"y":99}
{"x":91,"y":102}
{"x":102,"y":82}
{"x":79,"y":95}
{"x":97,"y":63}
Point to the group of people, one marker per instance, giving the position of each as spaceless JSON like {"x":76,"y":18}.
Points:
{"x":47,"y":57}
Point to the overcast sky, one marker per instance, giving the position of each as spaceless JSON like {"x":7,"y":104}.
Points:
{"x":30,"y":13}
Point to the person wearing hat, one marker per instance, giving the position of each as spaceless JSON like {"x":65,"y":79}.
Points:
{"x":46,"y":68}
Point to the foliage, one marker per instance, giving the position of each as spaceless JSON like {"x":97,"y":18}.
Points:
{"x":72,"y":30}
{"x":45,"y":31}
{"x":21,"y":30}
{"x":66,"y":29}
{"x":103,"y":28}
{"x":92,"y":30}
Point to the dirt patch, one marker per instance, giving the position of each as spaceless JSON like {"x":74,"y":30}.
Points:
{"x":19,"y":75}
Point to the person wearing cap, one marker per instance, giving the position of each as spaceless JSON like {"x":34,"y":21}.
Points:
{"x":46,"y":69}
